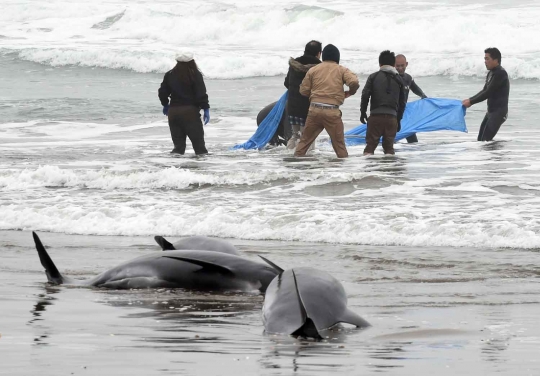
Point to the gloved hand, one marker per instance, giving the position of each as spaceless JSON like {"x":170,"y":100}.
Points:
{"x":363,"y":118}
{"x":398,"y":125}
{"x":424,"y":96}
{"x":206,"y":116}
{"x":166,"y":110}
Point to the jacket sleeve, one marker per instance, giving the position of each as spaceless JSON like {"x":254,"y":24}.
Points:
{"x":402,"y":102}
{"x":497,"y":80}
{"x":351,"y":81}
{"x":201,"y":97}
{"x":164,"y":91}
{"x":286,"y":83}
{"x":416,"y":90}
{"x":366,"y":94}
{"x":305,"y":87}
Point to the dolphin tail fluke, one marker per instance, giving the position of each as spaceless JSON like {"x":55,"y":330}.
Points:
{"x":349,"y":317}
{"x":164,"y":244}
{"x":53,"y":275}
{"x":277,"y":268}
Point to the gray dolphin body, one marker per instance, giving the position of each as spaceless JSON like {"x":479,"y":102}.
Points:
{"x":202,"y":243}
{"x":195,"y":269}
{"x":304,"y":301}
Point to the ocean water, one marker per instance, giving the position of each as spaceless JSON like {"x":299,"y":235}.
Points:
{"x":438,"y":244}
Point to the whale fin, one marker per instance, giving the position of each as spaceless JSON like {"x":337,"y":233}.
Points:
{"x":308,"y":329}
{"x":349,"y":317}
{"x":278,"y":269}
{"x":164,"y":244}
{"x":53,"y":275}
{"x":206,"y":266}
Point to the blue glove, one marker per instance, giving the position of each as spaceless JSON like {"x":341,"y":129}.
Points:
{"x":166,"y":110}
{"x":206,"y":116}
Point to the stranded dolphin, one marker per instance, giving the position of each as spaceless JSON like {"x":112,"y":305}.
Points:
{"x":284,"y":130}
{"x":304,"y":301}
{"x":198,"y":270}
{"x":202,"y":243}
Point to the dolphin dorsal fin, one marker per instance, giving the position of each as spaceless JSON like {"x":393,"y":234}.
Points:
{"x":53,"y":275}
{"x":208,"y":266}
{"x":278,"y":269}
{"x":302,"y":306}
{"x":164,"y":244}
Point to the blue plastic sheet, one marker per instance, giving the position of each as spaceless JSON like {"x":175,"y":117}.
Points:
{"x":425,"y":115}
{"x":267,"y":128}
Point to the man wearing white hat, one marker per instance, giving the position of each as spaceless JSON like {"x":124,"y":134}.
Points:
{"x":185,"y":87}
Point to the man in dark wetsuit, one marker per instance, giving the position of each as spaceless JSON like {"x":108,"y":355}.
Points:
{"x":496,"y":90}
{"x":297,"y":104}
{"x":408,"y":81}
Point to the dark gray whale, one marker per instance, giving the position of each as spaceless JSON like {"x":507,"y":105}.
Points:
{"x":202,"y":243}
{"x":284,"y":130}
{"x":304,"y":301}
{"x":189,"y":269}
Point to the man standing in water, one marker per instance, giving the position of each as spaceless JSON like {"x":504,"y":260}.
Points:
{"x":408,"y":81}
{"x":496,"y":90}
{"x":323,"y":85}
{"x":297,"y":104}
{"x":386,"y":92}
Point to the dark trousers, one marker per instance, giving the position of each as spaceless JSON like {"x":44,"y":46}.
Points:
{"x":491,"y":124}
{"x":185,"y":121}
{"x":381,"y":125}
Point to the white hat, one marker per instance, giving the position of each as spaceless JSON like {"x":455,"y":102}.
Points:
{"x":184,"y":57}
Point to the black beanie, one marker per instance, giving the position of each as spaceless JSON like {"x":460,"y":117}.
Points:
{"x":330,"y":52}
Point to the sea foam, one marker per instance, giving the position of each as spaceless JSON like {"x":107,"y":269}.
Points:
{"x":247,"y":39}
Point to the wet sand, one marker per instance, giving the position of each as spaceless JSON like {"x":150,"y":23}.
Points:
{"x":441,"y":310}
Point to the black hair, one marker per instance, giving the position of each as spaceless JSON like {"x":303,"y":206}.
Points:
{"x":494,"y":53}
{"x":313,"y":48}
{"x":186,"y":71}
{"x":387,"y":58}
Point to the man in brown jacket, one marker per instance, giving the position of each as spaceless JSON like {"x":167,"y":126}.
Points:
{"x":323,"y":85}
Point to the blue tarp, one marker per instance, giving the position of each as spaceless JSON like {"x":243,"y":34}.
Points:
{"x":267,"y":128}
{"x":425,"y":115}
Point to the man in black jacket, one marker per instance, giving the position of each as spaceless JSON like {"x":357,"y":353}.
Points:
{"x":410,"y":84}
{"x":496,"y":90}
{"x":297,"y":104}
{"x":387,"y":93}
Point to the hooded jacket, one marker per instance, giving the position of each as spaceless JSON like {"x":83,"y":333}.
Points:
{"x":183,"y":93}
{"x":297,"y":104}
{"x":386,"y":91}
